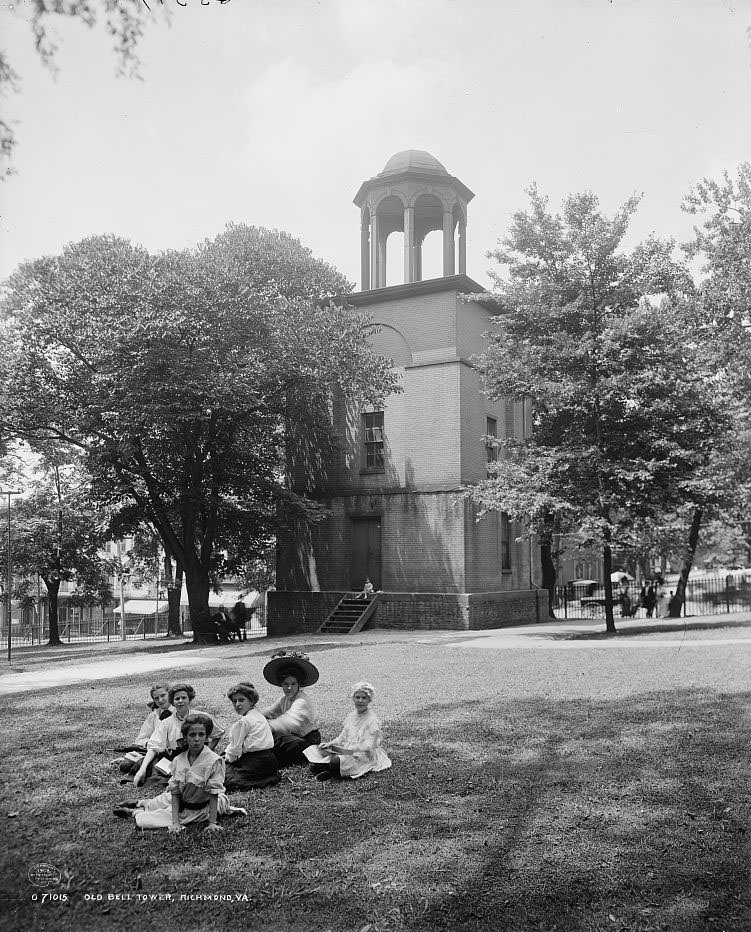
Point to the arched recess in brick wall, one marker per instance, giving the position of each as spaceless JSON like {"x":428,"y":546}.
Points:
{"x":388,"y":341}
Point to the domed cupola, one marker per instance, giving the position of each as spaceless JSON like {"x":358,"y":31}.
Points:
{"x":414,"y":194}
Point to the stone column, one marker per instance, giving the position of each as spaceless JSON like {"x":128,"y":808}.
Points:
{"x":374,"y":250}
{"x":448,"y":243}
{"x":462,"y":246}
{"x":409,"y":245}
{"x":365,"y":253}
{"x":382,"y":237}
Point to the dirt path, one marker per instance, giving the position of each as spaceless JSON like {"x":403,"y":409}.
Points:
{"x":573,"y":635}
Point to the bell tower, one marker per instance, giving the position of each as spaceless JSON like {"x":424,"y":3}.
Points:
{"x":414,"y":194}
{"x":392,"y":485}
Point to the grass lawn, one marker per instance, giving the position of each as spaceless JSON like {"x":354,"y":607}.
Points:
{"x":585,"y":788}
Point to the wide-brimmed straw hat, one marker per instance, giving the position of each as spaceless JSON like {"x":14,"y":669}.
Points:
{"x":294,"y":662}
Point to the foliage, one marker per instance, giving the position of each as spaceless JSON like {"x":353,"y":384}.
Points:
{"x":124,"y":22}
{"x":598,"y":341}
{"x":179,"y":378}
{"x":58,"y":535}
{"x":724,"y":243}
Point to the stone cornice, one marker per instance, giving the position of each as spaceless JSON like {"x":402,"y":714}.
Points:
{"x":462,"y":284}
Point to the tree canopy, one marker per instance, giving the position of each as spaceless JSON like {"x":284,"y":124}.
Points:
{"x":179,"y":377}
{"x":59,"y":535}
{"x":595,"y":337}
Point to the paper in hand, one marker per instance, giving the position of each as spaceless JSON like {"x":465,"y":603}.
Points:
{"x":315,"y":755}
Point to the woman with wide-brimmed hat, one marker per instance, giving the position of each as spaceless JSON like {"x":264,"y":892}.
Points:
{"x":293,"y":718}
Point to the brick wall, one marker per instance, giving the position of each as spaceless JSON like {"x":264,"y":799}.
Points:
{"x":298,"y":612}
{"x":305,"y":612}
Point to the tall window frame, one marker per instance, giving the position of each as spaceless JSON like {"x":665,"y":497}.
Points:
{"x":491,"y":430}
{"x":505,"y":543}
{"x":374,"y":460}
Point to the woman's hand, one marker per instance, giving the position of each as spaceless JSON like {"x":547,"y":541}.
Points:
{"x":213,"y":827}
{"x":174,"y":829}
{"x":139,"y":777}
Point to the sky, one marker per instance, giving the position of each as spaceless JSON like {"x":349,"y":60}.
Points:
{"x":273,"y":113}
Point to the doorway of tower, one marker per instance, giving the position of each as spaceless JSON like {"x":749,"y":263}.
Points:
{"x":366,"y":552}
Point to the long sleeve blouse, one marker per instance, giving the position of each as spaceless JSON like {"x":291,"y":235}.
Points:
{"x":168,"y":733}
{"x":362,"y":735}
{"x":292,"y":717}
{"x":149,"y":726}
{"x":251,"y":732}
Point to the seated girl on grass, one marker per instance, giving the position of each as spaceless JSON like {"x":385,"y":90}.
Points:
{"x":167,"y":739}
{"x":357,"y":749}
{"x":249,"y":755}
{"x":195,"y":792}
{"x":161,"y":708}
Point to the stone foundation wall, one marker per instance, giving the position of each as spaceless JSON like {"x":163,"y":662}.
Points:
{"x":305,"y":612}
{"x":299,"y":612}
{"x":459,"y":611}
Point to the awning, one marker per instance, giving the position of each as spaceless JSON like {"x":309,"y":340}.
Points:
{"x":227,"y":598}
{"x":143,"y":606}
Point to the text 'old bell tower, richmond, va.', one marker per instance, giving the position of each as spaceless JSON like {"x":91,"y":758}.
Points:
{"x":393,"y":485}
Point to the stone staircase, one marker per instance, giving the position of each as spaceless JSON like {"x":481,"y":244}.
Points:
{"x":349,"y":616}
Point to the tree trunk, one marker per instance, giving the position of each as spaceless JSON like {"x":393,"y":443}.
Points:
{"x":676,"y":603}
{"x":53,"y":587}
{"x":197,"y":584}
{"x":174,"y":591}
{"x":607,"y":566}
{"x":548,"y":574}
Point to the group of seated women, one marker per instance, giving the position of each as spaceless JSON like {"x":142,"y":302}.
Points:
{"x":177,"y":746}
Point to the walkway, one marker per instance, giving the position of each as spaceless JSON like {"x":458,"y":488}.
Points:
{"x":571,"y":635}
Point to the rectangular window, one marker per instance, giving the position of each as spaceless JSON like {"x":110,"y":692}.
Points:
{"x":373,"y":434}
{"x":510,"y":419}
{"x":505,"y":542}
{"x":490,"y":448}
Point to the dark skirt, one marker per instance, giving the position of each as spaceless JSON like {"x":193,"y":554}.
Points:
{"x":289,"y":748}
{"x":252,"y":770}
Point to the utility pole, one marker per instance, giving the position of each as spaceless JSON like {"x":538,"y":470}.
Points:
{"x":10,"y":577}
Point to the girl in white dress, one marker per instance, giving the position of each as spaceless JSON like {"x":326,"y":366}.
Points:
{"x":161,"y":708}
{"x":195,"y":792}
{"x":357,"y":748}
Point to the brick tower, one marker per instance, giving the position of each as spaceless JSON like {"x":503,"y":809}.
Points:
{"x":397,"y":515}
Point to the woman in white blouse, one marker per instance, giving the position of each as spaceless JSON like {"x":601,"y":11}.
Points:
{"x":249,"y":755}
{"x":167,"y":739}
{"x":293,"y":718}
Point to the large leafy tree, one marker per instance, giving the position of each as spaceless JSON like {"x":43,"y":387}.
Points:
{"x":59,"y":536}
{"x":595,"y":338}
{"x":180,"y":377}
{"x":722,"y":307}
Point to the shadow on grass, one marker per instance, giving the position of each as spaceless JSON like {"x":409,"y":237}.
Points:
{"x":630,"y":629}
{"x":573,"y":815}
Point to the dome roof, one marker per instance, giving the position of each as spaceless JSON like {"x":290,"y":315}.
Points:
{"x":413,"y":160}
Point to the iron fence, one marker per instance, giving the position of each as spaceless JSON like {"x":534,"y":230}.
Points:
{"x":94,"y":624}
{"x":705,"y":595}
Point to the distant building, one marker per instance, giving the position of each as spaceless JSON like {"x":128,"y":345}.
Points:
{"x":394,"y":483}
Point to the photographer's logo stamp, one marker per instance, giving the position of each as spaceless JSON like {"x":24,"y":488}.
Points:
{"x":44,"y":875}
